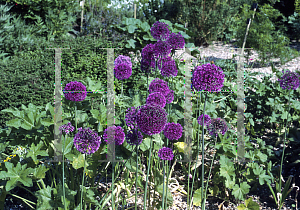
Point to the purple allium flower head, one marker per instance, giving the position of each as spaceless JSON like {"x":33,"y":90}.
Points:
{"x":147,"y":66}
{"x":148,"y":52}
{"x":130,"y":117}
{"x":216,"y":126}
{"x":289,"y":80}
{"x":158,"y":85}
{"x":118,"y":137}
{"x":176,"y":41}
{"x":123,"y":59}
{"x":156,"y":98}
{"x":208,"y":77}
{"x":161,"y":49}
{"x":123,"y":71}
{"x":166,"y":153}
{"x":134,"y":137}
{"x":75,"y":86}
{"x":160,"y":31}
{"x":170,"y":96}
{"x":207,"y":119}
{"x":151,"y":119}
{"x":168,"y":68}
{"x":87,"y":141}
{"x":67,"y":128}
{"x":173,"y":131}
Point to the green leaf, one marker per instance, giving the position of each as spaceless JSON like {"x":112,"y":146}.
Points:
{"x":145,"y":145}
{"x":160,"y":188}
{"x":44,"y":199}
{"x":40,"y":172}
{"x":197,"y":198}
{"x":239,"y":192}
{"x":182,"y":147}
{"x":78,"y":162}
{"x":35,"y":151}
{"x":18,"y":173}
{"x":130,"y":44}
{"x":263,"y":177}
{"x":131,"y":28}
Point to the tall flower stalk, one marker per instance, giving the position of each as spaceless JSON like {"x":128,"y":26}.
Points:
{"x":206,"y":77}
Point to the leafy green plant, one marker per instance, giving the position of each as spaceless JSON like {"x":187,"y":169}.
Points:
{"x":262,"y":35}
{"x":249,"y":205}
{"x":139,"y":34}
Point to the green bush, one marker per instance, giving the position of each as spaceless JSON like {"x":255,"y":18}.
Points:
{"x":262,"y":36}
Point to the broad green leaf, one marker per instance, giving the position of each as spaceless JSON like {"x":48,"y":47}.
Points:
{"x":263,"y":177}
{"x":35,"y":151}
{"x":182,"y":147}
{"x":16,"y":174}
{"x":45,"y":200}
{"x":40,"y":172}
{"x":145,"y":145}
{"x":130,"y":44}
{"x":131,"y":28}
{"x":16,"y":123}
{"x":78,"y":162}
{"x":239,"y":192}
{"x":197,"y":198}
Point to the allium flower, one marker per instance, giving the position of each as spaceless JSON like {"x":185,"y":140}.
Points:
{"x":166,"y":153}
{"x":156,"y":98}
{"x":161,"y":49}
{"x":170,"y":96}
{"x":130,"y":117}
{"x":87,"y":141}
{"x":118,"y":137}
{"x":123,"y":59}
{"x":160,"y":30}
{"x":173,"y":131}
{"x":216,"y":126}
{"x":207,"y":119}
{"x":168,"y":68}
{"x":67,"y":128}
{"x":158,"y":85}
{"x":290,"y":80}
{"x":134,"y":137}
{"x":147,"y":66}
{"x":176,"y":41}
{"x":151,"y":119}
{"x":75,"y":86}
{"x":148,"y":52}
{"x":208,"y":77}
{"x":123,"y":71}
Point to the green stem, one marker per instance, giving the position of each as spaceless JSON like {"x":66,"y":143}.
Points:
{"x":136,"y":177}
{"x":63,"y":166}
{"x":148,"y":170}
{"x":202,"y":184}
{"x":83,"y":176}
{"x":163,"y":185}
{"x":284,"y":146}
{"x":112,"y":185}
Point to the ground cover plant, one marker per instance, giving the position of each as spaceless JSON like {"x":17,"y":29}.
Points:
{"x":148,"y":135}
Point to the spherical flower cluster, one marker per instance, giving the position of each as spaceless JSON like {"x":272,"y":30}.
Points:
{"x":167,"y":66}
{"x":166,"y":153}
{"x":148,"y":60}
{"x":173,"y":131}
{"x":170,"y":96}
{"x":151,"y":119}
{"x":147,"y":66}
{"x":67,"y":128}
{"x":158,"y":85}
{"x":208,"y":77}
{"x":123,"y":59}
{"x":130,"y":117}
{"x":176,"y":41}
{"x":123,"y":71}
{"x":117,"y":133}
{"x":134,"y":137}
{"x":74,"y":96}
{"x":156,"y":98}
{"x":161,"y":49}
{"x":290,"y":80}
{"x":160,"y":31}
{"x":207,"y":119}
{"x":87,"y":141}
{"x":216,"y":126}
